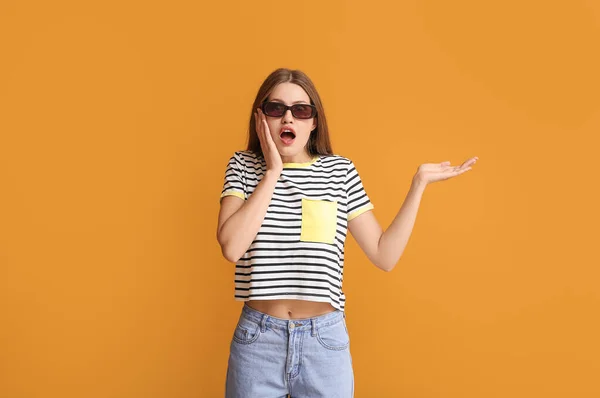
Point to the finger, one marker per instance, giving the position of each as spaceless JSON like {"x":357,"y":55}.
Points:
{"x":268,"y":134}
{"x":263,"y":129}
{"x":452,"y":170}
{"x":434,"y":166}
{"x":453,"y":173}
{"x":468,"y":163}
{"x":464,"y":165}
{"x":257,"y":120}
{"x":259,"y":131}
{"x":441,"y":166}
{"x":471,"y":161}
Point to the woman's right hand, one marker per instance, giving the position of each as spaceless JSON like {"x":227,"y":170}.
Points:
{"x":269,"y":149}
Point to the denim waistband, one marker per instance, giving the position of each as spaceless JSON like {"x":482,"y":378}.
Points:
{"x":298,"y":324}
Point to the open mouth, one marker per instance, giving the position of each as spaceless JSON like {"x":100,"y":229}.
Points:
{"x":287,"y":136}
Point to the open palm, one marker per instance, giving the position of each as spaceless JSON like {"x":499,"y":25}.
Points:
{"x":432,"y":172}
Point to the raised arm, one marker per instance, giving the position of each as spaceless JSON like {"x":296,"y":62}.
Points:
{"x":385,"y":248}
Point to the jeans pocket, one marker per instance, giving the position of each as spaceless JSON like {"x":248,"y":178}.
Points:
{"x":246,"y":331}
{"x":334,"y":337}
{"x":319,"y":221}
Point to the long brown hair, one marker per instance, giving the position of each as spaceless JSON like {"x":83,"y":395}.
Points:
{"x":318,"y":142}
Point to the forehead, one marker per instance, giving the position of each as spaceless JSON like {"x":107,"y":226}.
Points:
{"x":289,"y":93}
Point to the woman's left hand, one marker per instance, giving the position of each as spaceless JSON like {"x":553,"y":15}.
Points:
{"x":432,"y":172}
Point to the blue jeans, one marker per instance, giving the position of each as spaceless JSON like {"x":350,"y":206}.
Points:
{"x":272,"y":357}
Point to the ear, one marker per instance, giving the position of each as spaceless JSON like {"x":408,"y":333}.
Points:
{"x":314,"y":125}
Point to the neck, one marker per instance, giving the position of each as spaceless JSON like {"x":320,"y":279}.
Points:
{"x":299,"y":158}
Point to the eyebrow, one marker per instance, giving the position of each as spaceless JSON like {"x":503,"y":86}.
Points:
{"x":295,"y":102}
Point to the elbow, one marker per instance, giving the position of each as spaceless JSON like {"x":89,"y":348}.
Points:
{"x":229,"y":254}
{"x":230,"y":250}
{"x":232,"y":259}
{"x":389,"y":264}
{"x":226,"y":250}
{"x":384,"y":259}
{"x":386,"y":266}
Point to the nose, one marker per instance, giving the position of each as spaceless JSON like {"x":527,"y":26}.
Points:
{"x":288,"y":117}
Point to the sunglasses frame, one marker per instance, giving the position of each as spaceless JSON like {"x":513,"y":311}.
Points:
{"x":313,"y":114}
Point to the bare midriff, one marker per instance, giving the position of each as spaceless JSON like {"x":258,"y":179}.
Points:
{"x":291,"y":309}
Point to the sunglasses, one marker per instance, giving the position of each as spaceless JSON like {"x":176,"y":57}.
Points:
{"x":299,"y":111}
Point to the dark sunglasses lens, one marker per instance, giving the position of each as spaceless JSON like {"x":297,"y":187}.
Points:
{"x":273,"y":109}
{"x":302,"y":111}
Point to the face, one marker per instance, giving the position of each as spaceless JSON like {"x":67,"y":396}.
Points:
{"x":291,"y":150}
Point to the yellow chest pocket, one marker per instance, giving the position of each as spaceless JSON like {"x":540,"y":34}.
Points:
{"x":319,"y":220}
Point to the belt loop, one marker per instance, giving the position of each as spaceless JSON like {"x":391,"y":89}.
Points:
{"x":263,"y":323}
{"x":313,"y":331}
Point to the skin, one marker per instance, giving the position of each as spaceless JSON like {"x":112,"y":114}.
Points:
{"x":268,"y":128}
{"x":383,"y":248}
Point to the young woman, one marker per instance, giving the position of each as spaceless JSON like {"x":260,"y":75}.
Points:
{"x":286,"y":206}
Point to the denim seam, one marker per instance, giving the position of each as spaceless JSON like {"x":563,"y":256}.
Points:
{"x":329,"y":347}
{"x":301,"y":344}
{"x":281,"y":323}
{"x":274,"y":325}
{"x":263,"y":324}
{"x":245,"y":340}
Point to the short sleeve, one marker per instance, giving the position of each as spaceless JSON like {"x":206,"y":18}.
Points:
{"x":358,"y":200}
{"x":234,"y":178}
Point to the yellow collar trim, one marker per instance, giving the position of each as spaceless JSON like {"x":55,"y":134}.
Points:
{"x":305,"y":164}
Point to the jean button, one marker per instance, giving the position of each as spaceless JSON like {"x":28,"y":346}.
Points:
{"x":292,"y":325}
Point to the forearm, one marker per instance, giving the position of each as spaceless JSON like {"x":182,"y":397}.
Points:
{"x":394,"y":240}
{"x":238,"y":232}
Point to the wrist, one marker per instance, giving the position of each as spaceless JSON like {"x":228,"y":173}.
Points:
{"x":418,"y":183}
{"x":274,"y":174}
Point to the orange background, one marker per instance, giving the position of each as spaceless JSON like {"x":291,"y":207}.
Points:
{"x":116,"y":124}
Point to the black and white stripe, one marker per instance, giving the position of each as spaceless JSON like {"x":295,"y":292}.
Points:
{"x":278,"y":265}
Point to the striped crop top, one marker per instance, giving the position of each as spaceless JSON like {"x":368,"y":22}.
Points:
{"x":298,"y":253}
